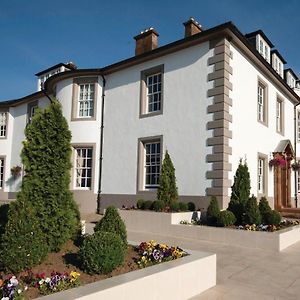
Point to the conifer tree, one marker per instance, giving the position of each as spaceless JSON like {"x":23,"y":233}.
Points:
{"x":167,"y":189}
{"x":46,"y":157}
{"x":240,"y":191}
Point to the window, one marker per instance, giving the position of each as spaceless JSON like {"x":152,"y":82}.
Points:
{"x":152,"y":164}
{"x":31,"y":110}
{"x":279,"y":116}
{"x":261,"y":103}
{"x":261,"y":176}
{"x":84,"y":99}
{"x":298,"y":125}
{"x":298,"y":179}
{"x":261,"y":47}
{"x":151,"y":100}
{"x":266,"y":53}
{"x":83,"y":167}
{"x":1,"y":172}
{"x":3,"y":124}
{"x":149,"y":163}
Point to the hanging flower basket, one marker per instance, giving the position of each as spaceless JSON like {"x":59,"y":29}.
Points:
{"x":296,"y":166}
{"x":277,"y":162}
{"x":16,"y":171}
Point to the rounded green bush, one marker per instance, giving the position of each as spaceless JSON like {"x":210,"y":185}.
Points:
{"x":252,"y":213}
{"x":213,"y":212}
{"x":264,"y":209}
{"x":101,"y":253}
{"x":112,"y":222}
{"x":273,"y":218}
{"x":140,"y":204}
{"x":158,"y":205}
{"x":174,"y":206}
{"x":225,"y":218}
{"x":148,"y":204}
{"x":183,"y":206}
{"x":23,"y":244}
{"x":191,"y":206}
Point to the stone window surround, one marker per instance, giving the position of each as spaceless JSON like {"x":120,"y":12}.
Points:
{"x":143,"y":91}
{"x":282,"y":114}
{"x":262,"y":83}
{"x":5,"y":110}
{"x":73,"y":176}
{"x":29,"y":108}
{"x":298,"y":125}
{"x":75,"y":93}
{"x":264,"y":157}
{"x":4,"y":162}
{"x":140,"y":161}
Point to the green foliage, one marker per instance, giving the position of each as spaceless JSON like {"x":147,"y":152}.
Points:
{"x":112,"y":222}
{"x":140,"y":204}
{"x":3,"y":217}
{"x":101,"y":253}
{"x":183,"y":206}
{"x":225,"y":218}
{"x":265,"y":210}
{"x":240,"y":192}
{"x":213,"y":211}
{"x":148,"y":204}
{"x":174,"y":206}
{"x":273,"y":218}
{"x":167,"y":189}
{"x":46,"y":157}
{"x":158,"y":205}
{"x":23,"y":245}
{"x":191,"y":206}
{"x":252,"y":214}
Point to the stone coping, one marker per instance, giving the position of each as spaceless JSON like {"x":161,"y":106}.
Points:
{"x":178,"y":279}
{"x":168,"y":225}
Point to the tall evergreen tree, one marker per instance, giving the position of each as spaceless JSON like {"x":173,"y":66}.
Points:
{"x":167,"y":190}
{"x":46,"y":156}
{"x":240,"y":191}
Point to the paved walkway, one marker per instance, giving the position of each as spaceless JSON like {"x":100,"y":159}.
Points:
{"x":244,"y":273}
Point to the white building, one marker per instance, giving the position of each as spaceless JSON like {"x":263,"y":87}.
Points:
{"x":210,"y":99}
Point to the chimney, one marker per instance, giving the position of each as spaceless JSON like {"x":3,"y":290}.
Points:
{"x":146,"y":41}
{"x":191,"y":27}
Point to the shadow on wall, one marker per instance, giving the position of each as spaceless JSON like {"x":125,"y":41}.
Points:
{"x":14,"y":183}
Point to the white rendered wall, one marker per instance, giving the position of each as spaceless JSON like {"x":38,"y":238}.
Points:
{"x":250,"y":137}
{"x":182,"y":124}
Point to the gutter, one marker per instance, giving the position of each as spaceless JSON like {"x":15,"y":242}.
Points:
{"x":295,"y":150}
{"x":101,"y":146}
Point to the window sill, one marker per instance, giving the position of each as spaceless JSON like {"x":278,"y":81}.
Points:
{"x":83,"y":119}
{"x":152,"y":114}
{"x":263,"y":123}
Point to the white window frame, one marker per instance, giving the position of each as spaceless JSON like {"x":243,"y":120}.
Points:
{"x":152,"y":161}
{"x":2,"y":166}
{"x":260,"y":175}
{"x":298,"y":179}
{"x":261,"y":102}
{"x":3,"y":124}
{"x":298,"y":125}
{"x":86,"y":100}
{"x":83,"y":167}
{"x":279,"y":116}
{"x":154,"y":92}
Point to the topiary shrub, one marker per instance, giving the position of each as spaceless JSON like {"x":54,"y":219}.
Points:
{"x":240,"y":192}
{"x":148,"y":204}
{"x":140,"y":204}
{"x":226,"y":218}
{"x":183,"y":206}
{"x":273,"y":218}
{"x":213,"y":212}
{"x":167,"y":188}
{"x":191,"y":206}
{"x":174,"y":206}
{"x":158,"y":205}
{"x":264,"y":209}
{"x":252,"y":214}
{"x":101,"y":253}
{"x":112,"y":222}
{"x":23,"y":244}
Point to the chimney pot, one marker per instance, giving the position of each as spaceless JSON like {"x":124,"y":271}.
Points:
{"x":146,"y":41}
{"x":191,"y":27}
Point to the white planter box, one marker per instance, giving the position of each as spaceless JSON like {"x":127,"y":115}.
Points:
{"x":179,"y":280}
{"x":168,"y":224}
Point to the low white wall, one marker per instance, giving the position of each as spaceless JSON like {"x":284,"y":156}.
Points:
{"x":161,"y":223}
{"x":179,"y":280}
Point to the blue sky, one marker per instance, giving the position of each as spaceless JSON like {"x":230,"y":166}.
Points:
{"x":37,"y":34}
